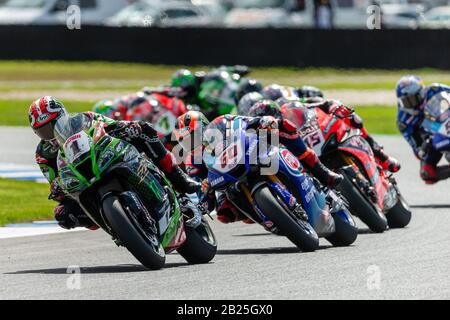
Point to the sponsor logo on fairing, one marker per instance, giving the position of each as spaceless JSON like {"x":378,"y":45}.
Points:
{"x":217,"y":181}
{"x":291,"y":161}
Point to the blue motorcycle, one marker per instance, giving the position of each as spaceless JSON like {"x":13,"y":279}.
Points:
{"x":285,"y":201}
{"x":437,"y":123}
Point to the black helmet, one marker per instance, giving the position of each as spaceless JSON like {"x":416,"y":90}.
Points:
{"x":265,"y":108}
{"x":273,"y":92}
{"x":284,"y":100}
{"x":247,"y":86}
{"x":247,"y":101}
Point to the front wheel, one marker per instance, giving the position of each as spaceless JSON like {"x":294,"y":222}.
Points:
{"x":146,"y":249}
{"x":200,"y":245}
{"x":346,"y":231}
{"x":399,"y":215}
{"x":361,"y":207}
{"x":298,"y":231}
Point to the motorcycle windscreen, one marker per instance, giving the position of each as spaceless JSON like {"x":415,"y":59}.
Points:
{"x":438,"y":107}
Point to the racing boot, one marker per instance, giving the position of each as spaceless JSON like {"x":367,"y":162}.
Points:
{"x":311,"y":161}
{"x":386,"y":162}
{"x":178,"y":177}
{"x":432,"y":174}
{"x":227,"y":212}
{"x":69,"y":215}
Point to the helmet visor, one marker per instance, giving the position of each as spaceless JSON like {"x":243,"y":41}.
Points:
{"x":45,"y":132}
{"x":411,"y":101}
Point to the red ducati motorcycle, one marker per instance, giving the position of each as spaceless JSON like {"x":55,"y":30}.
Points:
{"x":162,"y":111}
{"x":372,"y":192}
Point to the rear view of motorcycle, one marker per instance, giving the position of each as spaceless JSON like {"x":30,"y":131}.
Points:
{"x":373,"y":194}
{"x":126,"y":195}
{"x":284,"y":201}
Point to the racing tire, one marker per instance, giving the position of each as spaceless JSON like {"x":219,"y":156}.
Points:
{"x":200,"y":245}
{"x":399,"y":215}
{"x":130,"y":235}
{"x":297,"y":231}
{"x":361,"y":207}
{"x":345,"y":233}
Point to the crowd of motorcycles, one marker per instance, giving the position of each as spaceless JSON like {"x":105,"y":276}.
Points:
{"x":131,"y":199}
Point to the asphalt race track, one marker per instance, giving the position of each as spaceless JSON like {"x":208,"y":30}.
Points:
{"x":399,"y":264}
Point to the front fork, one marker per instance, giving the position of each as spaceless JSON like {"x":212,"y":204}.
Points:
{"x":360,"y":180}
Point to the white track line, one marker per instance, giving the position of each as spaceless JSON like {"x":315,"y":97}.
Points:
{"x":21,"y":172}
{"x":32,"y":229}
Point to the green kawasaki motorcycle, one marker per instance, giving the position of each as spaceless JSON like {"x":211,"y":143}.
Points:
{"x":126,"y":195}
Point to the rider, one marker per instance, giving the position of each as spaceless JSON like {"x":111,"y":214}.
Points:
{"x":342,"y":111}
{"x":214,"y":92}
{"x":43,"y":115}
{"x":190,"y":124}
{"x":160,"y":110}
{"x":247,"y":86}
{"x":121,"y":106}
{"x":412,"y":97}
{"x":105,"y":107}
{"x":276,"y":91}
{"x":247,"y":101}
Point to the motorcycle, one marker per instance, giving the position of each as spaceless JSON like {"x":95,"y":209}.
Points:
{"x":373,"y":194}
{"x":161,"y":111}
{"x":286,"y":202}
{"x":437,"y":125}
{"x":126,"y":195}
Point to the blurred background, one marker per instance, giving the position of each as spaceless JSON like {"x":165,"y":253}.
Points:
{"x":410,"y":14}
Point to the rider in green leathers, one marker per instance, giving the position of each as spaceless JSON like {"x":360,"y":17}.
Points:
{"x":213,"y":92}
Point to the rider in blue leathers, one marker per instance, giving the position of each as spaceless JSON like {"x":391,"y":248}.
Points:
{"x":412,"y":97}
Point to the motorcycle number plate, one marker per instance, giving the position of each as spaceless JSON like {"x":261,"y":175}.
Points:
{"x":77,"y":145}
{"x":445,"y":128}
{"x":165,"y":123}
{"x":315,"y":141}
{"x":229,"y":158}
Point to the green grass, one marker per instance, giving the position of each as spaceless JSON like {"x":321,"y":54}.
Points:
{"x":379,"y":119}
{"x":15,"y":112}
{"x":95,"y":76}
{"x":22,"y":201}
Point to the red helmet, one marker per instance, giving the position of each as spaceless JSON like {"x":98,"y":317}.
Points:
{"x":43,"y":114}
{"x":121,"y":106}
{"x":143,"y":109}
{"x":296,"y":112}
{"x":189,"y":129}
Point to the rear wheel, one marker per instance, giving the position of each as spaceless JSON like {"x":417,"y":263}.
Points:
{"x":142,"y":246}
{"x":298,"y":231}
{"x":200,"y":245}
{"x":361,"y":207}
{"x":399,"y":215}
{"x":345,"y":233}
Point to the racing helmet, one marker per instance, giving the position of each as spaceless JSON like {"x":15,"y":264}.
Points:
{"x":189,"y":129}
{"x":43,"y":115}
{"x":410,"y":92}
